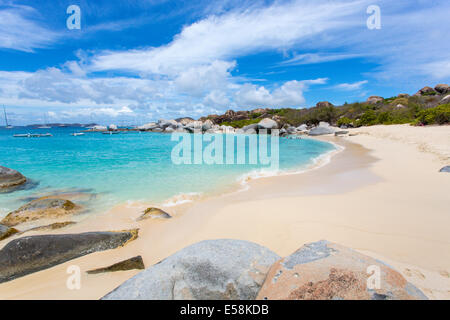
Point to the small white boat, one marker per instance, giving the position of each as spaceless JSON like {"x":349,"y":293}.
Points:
{"x":33,"y":135}
{"x":76,"y":134}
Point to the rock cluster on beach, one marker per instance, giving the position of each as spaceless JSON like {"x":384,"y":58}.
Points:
{"x":235,"y":269}
{"x":10,"y":178}
{"x":265,"y":125}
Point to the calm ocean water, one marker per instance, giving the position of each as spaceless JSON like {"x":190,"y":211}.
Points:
{"x":126,"y":166}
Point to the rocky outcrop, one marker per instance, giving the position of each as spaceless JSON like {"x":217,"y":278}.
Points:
{"x":324,"y":104}
{"x":45,"y":207}
{"x":6,"y":231}
{"x":211,"y":269}
{"x":327,"y":271}
{"x":30,"y":254}
{"x":321,"y":129}
{"x":374,"y":99}
{"x":425,"y":91}
{"x":267,"y":124}
{"x":10,"y":178}
{"x":129,"y":264}
{"x":154,"y":213}
{"x":442,"y":88}
{"x":445,"y":169}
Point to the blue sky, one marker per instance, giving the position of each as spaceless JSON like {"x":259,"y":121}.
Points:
{"x":138,"y":61}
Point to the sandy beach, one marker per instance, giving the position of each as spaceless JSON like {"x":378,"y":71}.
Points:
{"x":382,"y":195}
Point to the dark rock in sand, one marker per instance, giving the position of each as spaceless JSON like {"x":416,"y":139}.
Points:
{"x":6,"y":232}
{"x":326,"y":271}
{"x":445,"y":169}
{"x":53,"y":226}
{"x":30,"y":254}
{"x":10,"y":178}
{"x":41,"y":208}
{"x":212,"y":269}
{"x":154,"y":213}
{"x":129,"y":264}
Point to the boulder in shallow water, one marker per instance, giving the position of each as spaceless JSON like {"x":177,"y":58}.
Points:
{"x":212,"y":269}
{"x":153,"y":212}
{"x":326,"y":271}
{"x":129,"y":264}
{"x":41,"y":208}
{"x":30,"y":254}
{"x":10,"y":178}
{"x":445,"y":169}
{"x":6,"y":231}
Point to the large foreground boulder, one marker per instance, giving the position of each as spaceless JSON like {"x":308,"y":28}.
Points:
{"x":45,"y":207}
{"x":10,"y":178}
{"x":327,"y":271}
{"x":6,"y":231}
{"x":30,"y":254}
{"x":211,"y":269}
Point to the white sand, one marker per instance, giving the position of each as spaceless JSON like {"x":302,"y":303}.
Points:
{"x":383,"y":195}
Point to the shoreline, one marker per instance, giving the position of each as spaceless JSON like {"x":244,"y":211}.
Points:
{"x":339,"y":202}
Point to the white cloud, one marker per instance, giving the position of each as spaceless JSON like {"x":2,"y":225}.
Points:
{"x":237,"y":33}
{"x":351,"y":86}
{"x":290,"y":94}
{"x":19,"y":29}
{"x":312,"y":58}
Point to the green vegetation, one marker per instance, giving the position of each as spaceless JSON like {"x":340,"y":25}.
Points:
{"x":417,"y":110}
{"x":240,"y":123}
{"x":437,"y":115}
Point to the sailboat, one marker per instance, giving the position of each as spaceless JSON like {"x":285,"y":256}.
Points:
{"x":7,"y":126}
{"x":45,"y":126}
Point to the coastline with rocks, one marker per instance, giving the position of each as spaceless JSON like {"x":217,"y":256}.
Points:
{"x":374,"y":197}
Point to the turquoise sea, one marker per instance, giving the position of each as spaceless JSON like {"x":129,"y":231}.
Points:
{"x":127,"y":166}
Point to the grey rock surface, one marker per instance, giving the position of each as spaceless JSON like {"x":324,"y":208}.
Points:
{"x":10,"y":178}
{"x":30,"y":254}
{"x":211,"y":269}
